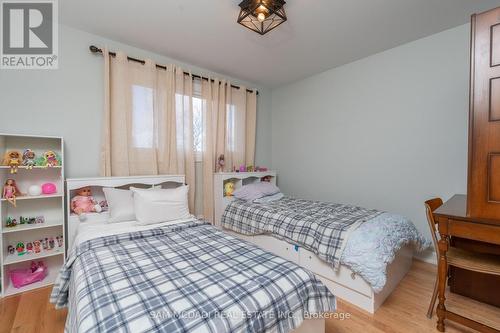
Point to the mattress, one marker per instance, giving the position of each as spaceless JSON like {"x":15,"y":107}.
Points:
{"x":186,"y":276}
{"x":365,"y":240}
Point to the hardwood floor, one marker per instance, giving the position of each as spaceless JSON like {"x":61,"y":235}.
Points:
{"x":404,"y":311}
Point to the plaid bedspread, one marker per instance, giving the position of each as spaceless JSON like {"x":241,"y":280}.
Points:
{"x":189,"y":277}
{"x":320,"y":227}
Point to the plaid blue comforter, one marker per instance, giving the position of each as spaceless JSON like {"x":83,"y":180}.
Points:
{"x":189,"y":277}
{"x":320,"y":227}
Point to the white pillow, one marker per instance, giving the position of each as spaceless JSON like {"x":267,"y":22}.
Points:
{"x":120,"y":204}
{"x":161,"y":205}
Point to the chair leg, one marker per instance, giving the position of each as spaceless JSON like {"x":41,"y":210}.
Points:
{"x":430,"y":311}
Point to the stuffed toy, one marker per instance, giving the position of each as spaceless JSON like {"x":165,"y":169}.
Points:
{"x":228,"y":189}
{"x":84,"y":203}
{"x":29,"y":158}
{"x":13,"y":159}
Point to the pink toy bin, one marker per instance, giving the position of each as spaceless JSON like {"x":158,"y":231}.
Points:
{"x":23,"y":277}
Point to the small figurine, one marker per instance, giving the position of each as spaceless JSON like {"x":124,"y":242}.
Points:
{"x":221,"y":162}
{"x":36,"y":246}
{"x":250,"y":168}
{"x":10,"y":191}
{"x":266,"y":179}
{"x":50,"y":159}
{"x":8,"y":222}
{"x":29,"y":159}
{"x":59,"y":241}
{"x":39,"y":219}
{"x":29,"y":247}
{"x":23,"y":220}
{"x":31,"y":220}
{"x":84,"y":203}
{"x":228,"y":189}
{"x":10,"y":249}
{"x":34,"y":267}
{"x":45,"y":244}
{"x":20,"y":249}
{"x":243,"y":168}
{"x":104,"y":205}
{"x":13,"y":159}
{"x":52,"y":244}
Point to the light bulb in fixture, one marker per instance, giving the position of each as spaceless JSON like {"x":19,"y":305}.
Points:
{"x":262,"y":16}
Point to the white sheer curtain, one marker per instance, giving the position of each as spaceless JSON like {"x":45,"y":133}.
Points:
{"x":148,"y":120}
{"x":229,"y":125}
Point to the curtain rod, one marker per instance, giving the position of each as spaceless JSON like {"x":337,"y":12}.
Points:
{"x":95,"y":49}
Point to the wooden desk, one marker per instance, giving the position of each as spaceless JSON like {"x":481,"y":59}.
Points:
{"x":454,"y":222}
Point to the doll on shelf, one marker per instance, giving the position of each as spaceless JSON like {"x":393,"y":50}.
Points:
{"x":29,"y":159}
{"x":83,"y":202}
{"x":13,"y":159}
{"x":50,"y":159}
{"x":10,"y":191}
{"x":221,"y":162}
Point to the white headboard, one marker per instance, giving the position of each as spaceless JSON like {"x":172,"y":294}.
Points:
{"x":239,"y":179}
{"x":97,"y":184}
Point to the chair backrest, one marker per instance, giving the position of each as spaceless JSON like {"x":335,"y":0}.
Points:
{"x":430,"y":206}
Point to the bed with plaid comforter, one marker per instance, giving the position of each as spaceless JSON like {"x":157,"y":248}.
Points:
{"x":320,"y":227}
{"x":188,"y":277}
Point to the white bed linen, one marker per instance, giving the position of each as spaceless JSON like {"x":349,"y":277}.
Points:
{"x":90,"y":230}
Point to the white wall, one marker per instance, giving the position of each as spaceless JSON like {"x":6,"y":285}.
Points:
{"x":68,"y":102}
{"x":386,"y":132}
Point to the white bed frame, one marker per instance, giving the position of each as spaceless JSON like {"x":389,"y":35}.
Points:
{"x":343,"y":283}
{"x":166,"y":181}
{"x":97,"y":185}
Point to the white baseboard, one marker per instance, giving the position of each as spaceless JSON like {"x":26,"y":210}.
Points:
{"x":428,"y":256}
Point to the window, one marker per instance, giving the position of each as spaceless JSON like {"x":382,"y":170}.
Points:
{"x":231,"y":124}
{"x":198,"y":128}
{"x":197,"y":121}
{"x":142,"y":117}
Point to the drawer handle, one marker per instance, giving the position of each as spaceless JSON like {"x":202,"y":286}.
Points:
{"x":310,"y":257}
{"x":353,"y":276}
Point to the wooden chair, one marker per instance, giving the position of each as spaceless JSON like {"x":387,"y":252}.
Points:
{"x":477,"y":262}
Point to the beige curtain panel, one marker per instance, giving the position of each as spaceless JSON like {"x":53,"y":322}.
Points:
{"x":148,"y":124}
{"x":229,"y":123}
{"x":148,"y":120}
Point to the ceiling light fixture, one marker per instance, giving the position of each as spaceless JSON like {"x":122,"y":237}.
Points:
{"x":262,"y":16}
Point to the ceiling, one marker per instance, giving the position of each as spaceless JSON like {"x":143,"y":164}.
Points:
{"x":319,"y":34}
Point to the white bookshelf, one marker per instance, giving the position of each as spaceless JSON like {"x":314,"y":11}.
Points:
{"x":50,"y":206}
{"x":239,"y":179}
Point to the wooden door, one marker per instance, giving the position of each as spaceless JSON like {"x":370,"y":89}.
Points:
{"x":484,"y":127}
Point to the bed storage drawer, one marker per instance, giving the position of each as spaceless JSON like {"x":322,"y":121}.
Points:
{"x":343,"y":275}
{"x":282,"y":249}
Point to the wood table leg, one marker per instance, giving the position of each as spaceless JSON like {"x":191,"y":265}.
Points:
{"x":442,"y":274}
